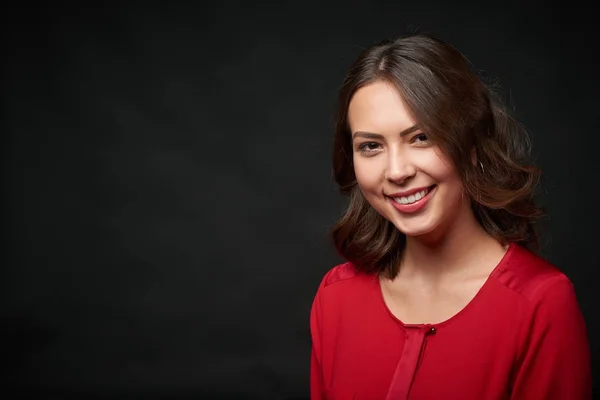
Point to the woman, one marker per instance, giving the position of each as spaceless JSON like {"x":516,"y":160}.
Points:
{"x":441,"y":297}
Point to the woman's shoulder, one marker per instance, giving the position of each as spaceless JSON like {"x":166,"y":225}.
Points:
{"x":344,"y":287}
{"x":529,"y":274}
{"x":340,"y":273}
{"x":343,"y":276}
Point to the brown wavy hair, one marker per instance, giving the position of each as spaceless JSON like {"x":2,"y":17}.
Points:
{"x":460,"y":113}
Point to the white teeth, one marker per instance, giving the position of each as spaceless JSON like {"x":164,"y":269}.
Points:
{"x":412,"y":198}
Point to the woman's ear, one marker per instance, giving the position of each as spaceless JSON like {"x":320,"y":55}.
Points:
{"x":474,"y":156}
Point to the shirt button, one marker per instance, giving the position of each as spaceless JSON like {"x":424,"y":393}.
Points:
{"x":432,"y":330}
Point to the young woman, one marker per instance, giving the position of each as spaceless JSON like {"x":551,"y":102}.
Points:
{"x":442,"y":296}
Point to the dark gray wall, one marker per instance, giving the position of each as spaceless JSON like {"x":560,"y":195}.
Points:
{"x":168,"y":186}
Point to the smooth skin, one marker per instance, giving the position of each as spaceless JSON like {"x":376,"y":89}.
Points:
{"x":448,"y":254}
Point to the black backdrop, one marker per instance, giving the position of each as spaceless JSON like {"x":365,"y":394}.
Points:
{"x":168,"y":184}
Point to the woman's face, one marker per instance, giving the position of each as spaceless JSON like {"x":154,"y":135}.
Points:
{"x":400,"y":172}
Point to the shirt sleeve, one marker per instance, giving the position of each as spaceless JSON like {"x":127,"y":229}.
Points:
{"x":317,"y":390}
{"x":554,"y":361}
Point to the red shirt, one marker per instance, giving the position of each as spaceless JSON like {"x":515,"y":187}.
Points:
{"x":521,"y":337}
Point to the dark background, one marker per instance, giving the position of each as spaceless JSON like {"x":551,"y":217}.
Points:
{"x":168,"y":182}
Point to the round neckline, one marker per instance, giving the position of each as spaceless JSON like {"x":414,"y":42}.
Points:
{"x":463,"y":310}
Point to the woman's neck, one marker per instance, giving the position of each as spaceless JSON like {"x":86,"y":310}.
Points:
{"x":457,"y":248}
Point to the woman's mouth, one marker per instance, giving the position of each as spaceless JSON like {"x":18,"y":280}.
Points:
{"x":414,"y":197}
{"x":414,"y":202}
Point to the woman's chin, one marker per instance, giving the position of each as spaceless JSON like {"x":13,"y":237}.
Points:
{"x":412,"y":231}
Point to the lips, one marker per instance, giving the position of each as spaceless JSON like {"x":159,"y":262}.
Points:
{"x":413,"y":200}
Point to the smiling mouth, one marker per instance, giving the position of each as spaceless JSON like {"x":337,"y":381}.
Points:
{"x":413,"y":198}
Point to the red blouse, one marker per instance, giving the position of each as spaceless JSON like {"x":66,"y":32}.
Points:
{"x":521,"y":337}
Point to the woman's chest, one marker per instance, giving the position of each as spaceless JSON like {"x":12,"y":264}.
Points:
{"x":379,"y":362}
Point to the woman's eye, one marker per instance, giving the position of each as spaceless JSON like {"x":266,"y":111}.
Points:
{"x":421,"y":137}
{"x":368,"y":147}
